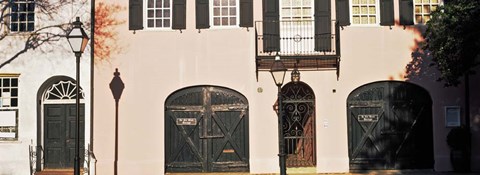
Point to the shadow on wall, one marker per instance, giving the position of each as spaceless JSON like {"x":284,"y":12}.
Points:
{"x":390,"y":127}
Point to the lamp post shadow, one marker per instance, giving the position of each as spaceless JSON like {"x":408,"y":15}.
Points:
{"x":116,"y":86}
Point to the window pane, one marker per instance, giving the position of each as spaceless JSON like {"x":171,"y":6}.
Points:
{"x":14,"y":92}
{"x":363,"y":1}
{"x":224,"y":2}
{"x":356,"y":20}
{"x":418,"y":9}
{"x":426,"y":18}
{"x":6,"y":82}
{"x":224,"y":21}
{"x":166,"y":23}
{"x":286,"y":12}
{"x":150,"y":23}
{"x":364,"y":10}
{"x":31,"y":17}
{"x":166,"y":3}
{"x":150,"y":13}
{"x":14,"y":27}
{"x":158,"y":3}
{"x":371,"y":10}
{"x":418,"y":1}
{"x":286,"y":3}
{"x":14,"y":102}
{"x":425,"y":1}
{"x":364,"y":20}
{"x":434,"y":1}
{"x":216,"y":11}
{"x":307,"y":3}
{"x":307,"y":12}
{"x":232,"y":2}
{"x":30,"y":26}
{"x":15,"y":17}
{"x":356,"y":10}
{"x":158,"y":13}
{"x":166,"y":13}
{"x":355,"y":1}
{"x":158,"y":23}
{"x":296,"y":12}
{"x":296,"y":2}
{"x":233,"y":11}
{"x":14,"y":82}
{"x":31,"y":7}
{"x":434,"y":8}
{"x":372,"y":2}
{"x":216,"y":2}
{"x":224,"y":11}
{"x":372,"y":20}
{"x":426,"y":9}
{"x":233,"y":21}
{"x":22,"y":7}
{"x":418,"y":18}
{"x":23,"y":17}
{"x":150,"y":4}
{"x":216,"y":21}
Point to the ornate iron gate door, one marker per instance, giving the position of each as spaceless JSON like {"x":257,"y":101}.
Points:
{"x":390,"y":127}
{"x":299,"y":124}
{"x":206,"y":130}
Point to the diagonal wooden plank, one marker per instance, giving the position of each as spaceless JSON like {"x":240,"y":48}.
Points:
{"x":228,"y":135}
{"x":368,"y":134}
{"x":188,"y":139}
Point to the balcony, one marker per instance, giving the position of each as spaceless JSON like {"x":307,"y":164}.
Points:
{"x":305,"y":44}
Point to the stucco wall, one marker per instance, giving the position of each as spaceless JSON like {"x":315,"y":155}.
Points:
{"x":153,"y":64}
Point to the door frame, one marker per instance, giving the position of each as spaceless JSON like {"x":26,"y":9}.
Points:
{"x":40,"y":101}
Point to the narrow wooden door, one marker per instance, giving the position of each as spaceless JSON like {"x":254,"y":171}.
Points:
{"x":206,"y":131}
{"x":390,"y":127}
{"x":60,"y":134}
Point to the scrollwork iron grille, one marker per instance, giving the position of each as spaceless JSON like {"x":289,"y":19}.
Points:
{"x":299,"y":124}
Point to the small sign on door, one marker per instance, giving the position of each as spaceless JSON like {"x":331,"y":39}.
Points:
{"x":187,"y":121}
{"x":368,"y":118}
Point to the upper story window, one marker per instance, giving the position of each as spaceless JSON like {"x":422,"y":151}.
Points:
{"x":22,"y":18}
{"x":423,"y":8}
{"x":296,"y":10}
{"x":159,"y":14}
{"x":225,"y":13}
{"x":8,"y":107}
{"x":364,"y":11}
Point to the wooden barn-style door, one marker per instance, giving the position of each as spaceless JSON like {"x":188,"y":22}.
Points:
{"x":298,"y":103}
{"x":390,"y":127}
{"x":206,"y":130}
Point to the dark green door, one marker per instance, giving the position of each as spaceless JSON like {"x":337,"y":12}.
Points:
{"x":390,"y":127}
{"x":206,"y":130}
{"x":59,"y":135}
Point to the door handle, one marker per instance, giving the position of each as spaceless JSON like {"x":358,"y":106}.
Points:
{"x":211,"y":137}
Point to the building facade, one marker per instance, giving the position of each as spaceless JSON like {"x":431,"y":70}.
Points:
{"x":198,"y":96}
{"x":37,"y":111}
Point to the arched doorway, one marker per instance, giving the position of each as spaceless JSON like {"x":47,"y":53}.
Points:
{"x":57,"y":123}
{"x":298,"y":103}
{"x":390,"y":126}
{"x":206,"y":130}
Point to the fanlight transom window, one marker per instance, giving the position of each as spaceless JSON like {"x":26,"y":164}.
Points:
{"x":63,"y":90}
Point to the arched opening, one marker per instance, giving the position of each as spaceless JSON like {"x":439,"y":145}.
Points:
{"x":206,"y":130}
{"x":390,"y":126}
{"x":298,"y":103}
{"x":56,"y":123}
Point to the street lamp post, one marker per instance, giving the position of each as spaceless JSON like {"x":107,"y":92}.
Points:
{"x":278,"y":70}
{"x":78,"y":39}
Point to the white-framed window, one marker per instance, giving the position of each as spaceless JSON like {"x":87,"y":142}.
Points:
{"x":224,"y":13}
{"x":364,"y":12}
{"x":292,"y":10}
{"x":158,"y":14}
{"x":22,"y":16}
{"x":8,"y":107}
{"x":423,"y":8}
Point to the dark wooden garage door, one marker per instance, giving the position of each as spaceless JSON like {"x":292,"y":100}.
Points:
{"x":206,"y":130}
{"x":390,"y":127}
{"x":59,"y":135}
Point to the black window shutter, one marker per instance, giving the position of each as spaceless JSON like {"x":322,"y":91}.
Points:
{"x":179,"y":17}
{"x":386,"y":13}
{"x":202,"y":14}
{"x":323,"y":26}
{"x":246,"y":13}
{"x":343,"y":12}
{"x":271,"y":27}
{"x":406,"y":12}
{"x":135,"y":15}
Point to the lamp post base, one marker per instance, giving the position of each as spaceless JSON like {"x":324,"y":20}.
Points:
{"x":76,"y":166}
{"x":283,"y":165}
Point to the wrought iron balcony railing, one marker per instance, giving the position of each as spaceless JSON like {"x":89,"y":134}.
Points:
{"x":304,"y":44}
